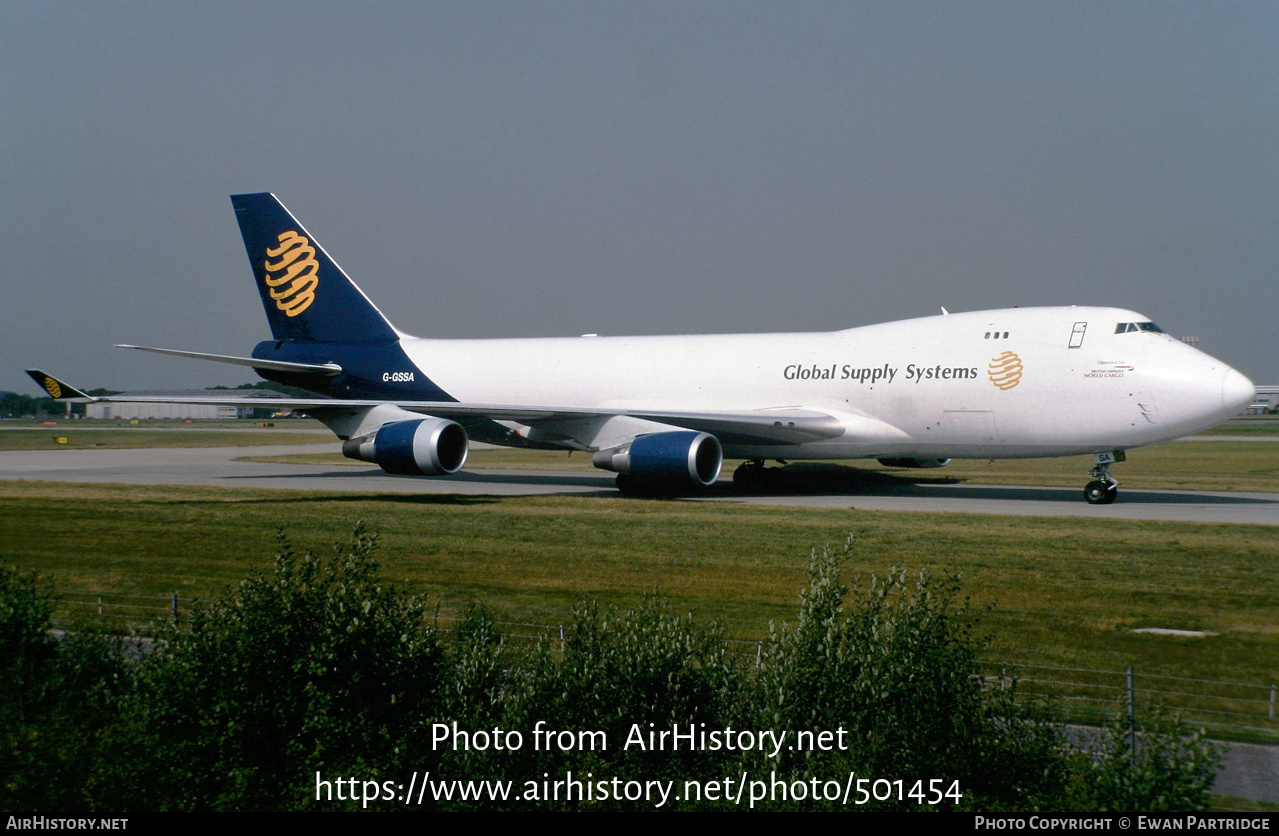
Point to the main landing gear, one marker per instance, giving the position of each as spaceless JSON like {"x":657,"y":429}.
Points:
{"x":753,"y":477}
{"x":1104,"y":487}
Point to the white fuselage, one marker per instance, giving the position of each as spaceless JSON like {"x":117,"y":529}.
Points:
{"x":1020,"y":382}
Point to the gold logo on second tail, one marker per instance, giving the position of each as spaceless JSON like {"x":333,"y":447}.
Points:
{"x":51,"y":386}
{"x":1005,"y":370}
{"x":293,"y":278}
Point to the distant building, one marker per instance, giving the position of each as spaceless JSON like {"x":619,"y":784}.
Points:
{"x":202,"y":411}
{"x":1267,"y":400}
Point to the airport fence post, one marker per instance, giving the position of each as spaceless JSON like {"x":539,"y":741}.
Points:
{"x":175,"y":609}
{"x":99,"y":605}
{"x":563,"y":646}
{"x":1132,"y":720}
{"x":1272,"y":702}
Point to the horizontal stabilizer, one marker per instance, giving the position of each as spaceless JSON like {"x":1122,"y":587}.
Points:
{"x":330,"y":369}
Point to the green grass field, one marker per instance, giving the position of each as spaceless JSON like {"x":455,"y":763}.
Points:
{"x":1062,"y":592}
{"x":1058,"y":592}
{"x":1050,"y":591}
{"x":77,"y":439}
{"x":1247,"y":425}
{"x":84,"y":434}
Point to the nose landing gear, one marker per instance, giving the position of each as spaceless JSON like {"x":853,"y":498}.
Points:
{"x":1104,"y":488}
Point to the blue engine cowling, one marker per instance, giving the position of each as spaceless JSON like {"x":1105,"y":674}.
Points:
{"x":914,"y":462}
{"x":682,"y":454}
{"x":424,"y":447}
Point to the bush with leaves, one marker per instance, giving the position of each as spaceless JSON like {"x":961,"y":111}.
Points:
{"x":897,"y":671}
{"x":1152,"y":764}
{"x":25,"y":645}
{"x":644,"y":668}
{"x":316,"y":666}
{"x":633,"y":668}
{"x":319,"y":666}
{"x":475,"y":696}
{"x":60,"y":704}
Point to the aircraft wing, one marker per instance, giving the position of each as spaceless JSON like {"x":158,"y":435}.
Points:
{"x":787,"y":425}
{"x":765,"y":426}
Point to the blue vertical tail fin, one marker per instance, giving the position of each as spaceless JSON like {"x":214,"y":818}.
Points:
{"x":306,"y":295}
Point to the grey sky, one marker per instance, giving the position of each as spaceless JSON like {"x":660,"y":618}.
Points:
{"x":544,"y":169}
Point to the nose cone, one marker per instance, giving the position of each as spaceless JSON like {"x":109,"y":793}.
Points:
{"x":1237,"y":392}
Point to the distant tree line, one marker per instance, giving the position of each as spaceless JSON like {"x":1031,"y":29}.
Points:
{"x":320,"y":672}
{"x":14,"y":405}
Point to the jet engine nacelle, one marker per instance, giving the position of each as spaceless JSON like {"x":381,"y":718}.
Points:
{"x":914,"y":462}
{"x":680,"y":454}
{"x":421,"y":447}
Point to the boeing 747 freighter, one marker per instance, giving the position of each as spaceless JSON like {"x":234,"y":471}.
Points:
{"x":664,"y":412}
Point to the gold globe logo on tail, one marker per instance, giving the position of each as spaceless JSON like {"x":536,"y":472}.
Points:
{"x":51,"y":386}
{"x":1005,"y":370}
{"x":293,"y":278}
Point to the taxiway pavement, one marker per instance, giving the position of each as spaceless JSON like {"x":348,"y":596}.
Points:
{"x":810,"y":487}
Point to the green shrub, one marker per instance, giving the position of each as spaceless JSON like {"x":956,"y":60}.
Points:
{"x":60,"y":703}
{"x":320,"y":667}
{"x":896,"y":670}
{"x":1171,"y":768}
{"x":317,"y":666}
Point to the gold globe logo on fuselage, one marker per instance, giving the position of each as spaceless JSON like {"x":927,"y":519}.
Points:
{"x":293,"y":278}
{"x":1005,"y":370}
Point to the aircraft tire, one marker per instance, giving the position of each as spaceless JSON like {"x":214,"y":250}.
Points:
{"x":1099,"y":493}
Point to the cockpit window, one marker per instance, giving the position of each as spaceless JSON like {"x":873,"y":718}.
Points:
{"x":1128,"y":327}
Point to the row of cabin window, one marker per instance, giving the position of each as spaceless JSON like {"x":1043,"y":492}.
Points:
{"x":1121,"y":328}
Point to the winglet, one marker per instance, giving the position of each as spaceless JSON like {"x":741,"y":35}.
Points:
{"x":57,"y":389}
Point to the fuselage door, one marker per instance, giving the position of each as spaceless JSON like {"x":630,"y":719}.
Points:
{"x":1077,"y":334}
